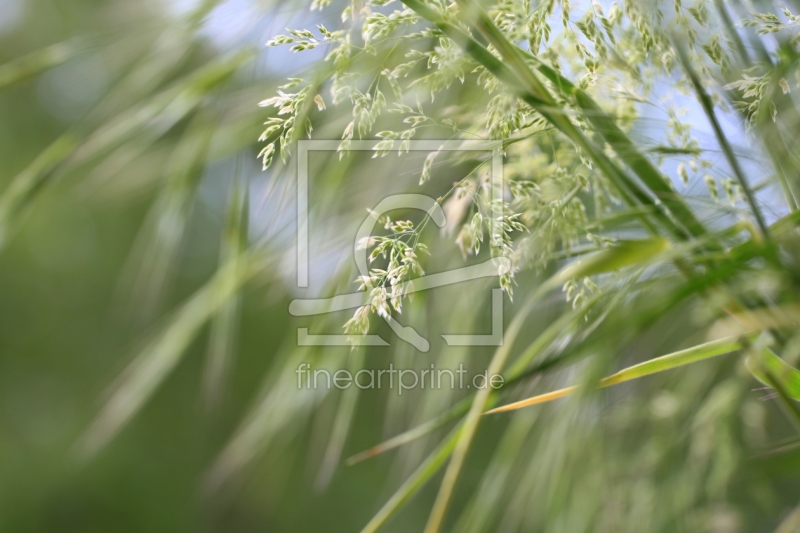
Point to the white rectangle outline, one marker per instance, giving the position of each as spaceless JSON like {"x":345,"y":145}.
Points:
{"x":306,"y":146}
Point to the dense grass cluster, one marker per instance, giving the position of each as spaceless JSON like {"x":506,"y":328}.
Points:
{"x":566,"y":88}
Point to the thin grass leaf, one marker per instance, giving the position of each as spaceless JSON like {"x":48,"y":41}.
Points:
{"x":547,"y":337}
{"x":472,"y":419}
{"x":162,"y":111}
{"x":162,"y":354}
{"x":416,"y":481}
{"x":489,"y":496}
{"x":657,"y":183}
{"x":73,"y":147}
{"x":33,"y":64}
{"x":660,"y":364}
{"x":160,"y":239}
{"x":416,"y":433}
{"x":732,"y":32}
{"x":624,"y":254}
{"x":770,"y":370}
{"x":280,"y":404}
{"x":774,"y":372}
{"x":222,"y":344}
{"x":24,"y":186}
{"x":341,"y":428}
{"x":708,"y":107}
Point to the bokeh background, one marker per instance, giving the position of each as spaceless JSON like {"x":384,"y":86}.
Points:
{"x":105,"y":242}
{"x":88,"y":274}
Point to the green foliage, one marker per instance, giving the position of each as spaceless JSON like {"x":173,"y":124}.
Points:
{"x":561,"y":184}
{"x":659,"y":236}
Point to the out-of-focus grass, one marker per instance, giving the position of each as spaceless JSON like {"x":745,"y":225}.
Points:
{"x":135,"y":225}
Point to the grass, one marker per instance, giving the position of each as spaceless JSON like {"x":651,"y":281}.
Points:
{"x":593,"y":211}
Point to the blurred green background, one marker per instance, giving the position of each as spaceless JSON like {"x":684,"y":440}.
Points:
{"x":67,"y":324}
{"x":128,"y":227}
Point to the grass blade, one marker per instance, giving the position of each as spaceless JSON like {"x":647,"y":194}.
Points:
{"x":160,"y":239}
{"x":341,"y":427}
{"x":471,"y":421}
{"x":708,"y":107}
{"x":771,"y":370}
{"x":627,"y":151}
{"x":660,"y":364}
{"x":27,"y":183}
{"x":411,"y":435}
{"x":161,"y":355}
{"x":625,"y":253}
{"x":224,"y":324}
{"x":35,"y":63}
{"x":423,"y":473}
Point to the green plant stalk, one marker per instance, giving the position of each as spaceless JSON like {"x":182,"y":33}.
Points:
{"x":415,"y":433}
{"x":770,"y":370}
{"x":733,"y":34}
{"x":653,"y":366}
{"x":630,"y":192}
{"x":421,"y":475}
{"x":605,"y":125}
{"x":733,"y":161}
{"x":223,"y":326}
{"x":25,"y":185}
{"x":162,"y":353}
{"x":35,"y":63}
{"x":341,"y":428}
{"x":471,"y":421}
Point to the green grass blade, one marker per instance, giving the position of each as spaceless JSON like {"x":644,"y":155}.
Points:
{"x":551,"y":333}
{"x":708,"y":107}
{"x":774,"y":372}
{"x":165,"y":109}
{"x":420,"y":476}
{"x":471,"y":421}
{"x":770,"y":370}
{"x":341,"y":427}
{"x":26,"y":67}
{"x":627,"y":151}
{"x":674,"y":360}
{"x":26,"y":184}
{"x":222,"y":343}
{"x":477,"y":514}
{"x":160,"y":356}
{"x":659,"y":364}
{"x":625,"y":253}
{"x":520,"y":368}
{"x":413,"y":434}
{"x":159,"y":240}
